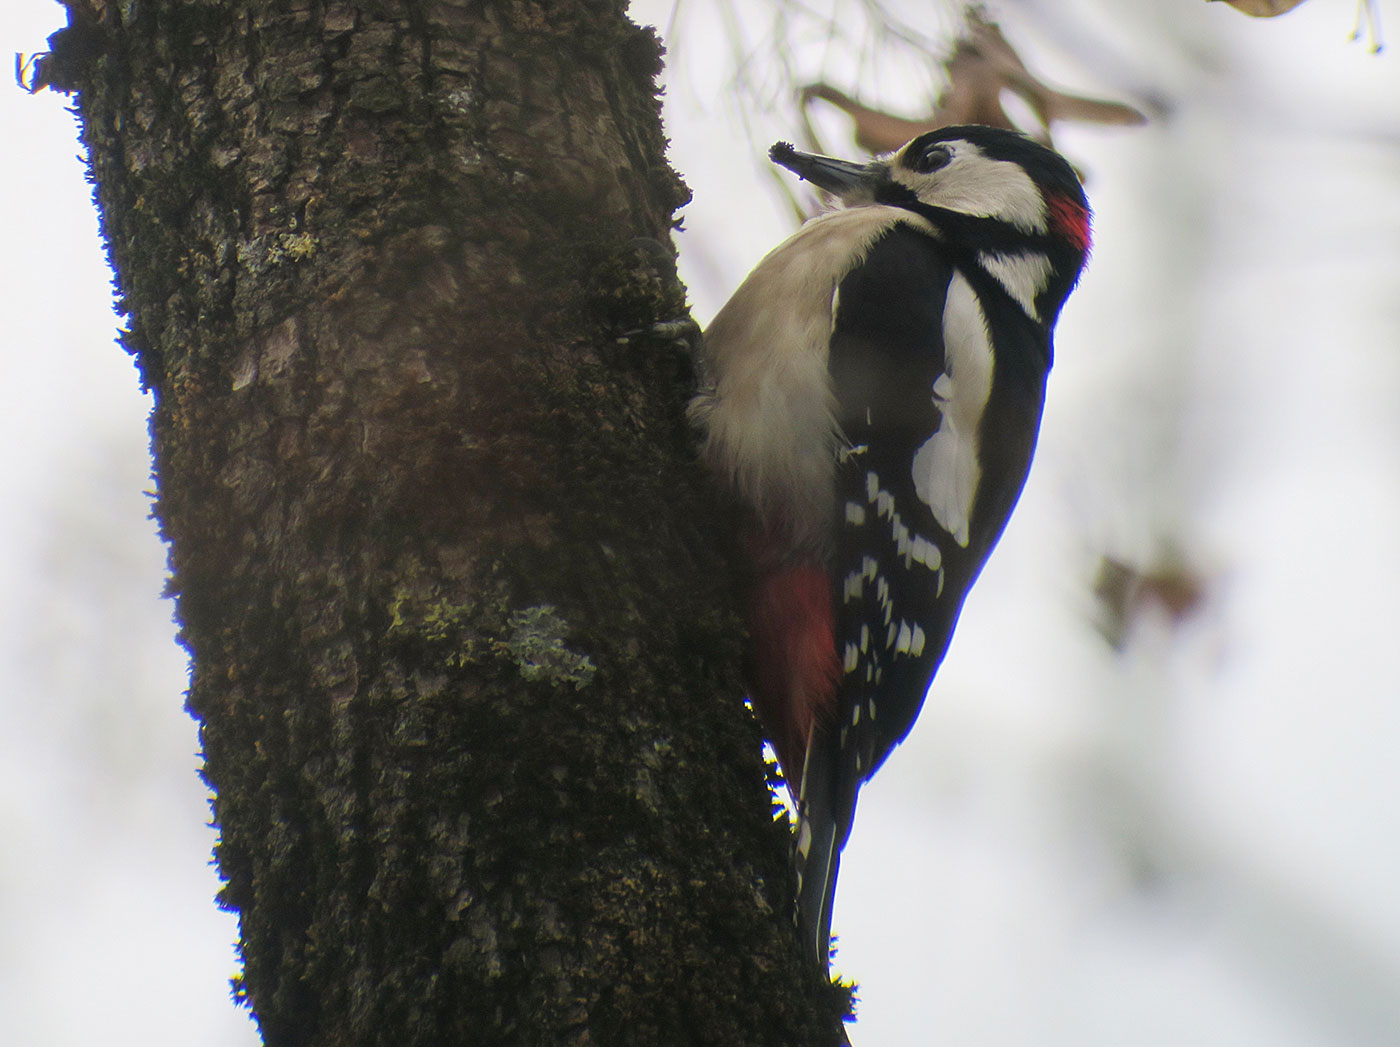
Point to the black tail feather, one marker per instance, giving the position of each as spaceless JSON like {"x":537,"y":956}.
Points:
{"x":826,"y":807}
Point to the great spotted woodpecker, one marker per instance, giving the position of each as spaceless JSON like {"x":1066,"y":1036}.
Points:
{"x":877,"y":385}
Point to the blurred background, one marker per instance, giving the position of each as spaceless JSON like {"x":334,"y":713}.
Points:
{"x":1154,"y":797}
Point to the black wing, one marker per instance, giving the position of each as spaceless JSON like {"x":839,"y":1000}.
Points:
{"x":899,"y":577}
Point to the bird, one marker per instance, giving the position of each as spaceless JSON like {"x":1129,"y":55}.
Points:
{"x":873,"y":398}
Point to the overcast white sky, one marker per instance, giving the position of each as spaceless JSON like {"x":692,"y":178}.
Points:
{"x":1197,"y":841}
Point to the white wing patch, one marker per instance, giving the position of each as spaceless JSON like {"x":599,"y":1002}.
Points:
{"x":946,"y":469}
{"x":1024,"y":276}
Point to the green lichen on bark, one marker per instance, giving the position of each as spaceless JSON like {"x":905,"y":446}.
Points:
{"x":450,"y":577}
{"x":537,"y":643}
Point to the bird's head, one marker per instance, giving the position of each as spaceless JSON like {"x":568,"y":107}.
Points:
{"x":989,"y":192}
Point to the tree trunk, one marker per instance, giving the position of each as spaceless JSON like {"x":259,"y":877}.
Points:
{"x":463,"y":660}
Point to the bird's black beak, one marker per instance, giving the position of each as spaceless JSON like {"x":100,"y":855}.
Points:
{"x":840,"y":177}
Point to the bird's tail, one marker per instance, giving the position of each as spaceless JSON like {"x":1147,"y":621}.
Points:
{"x":826,"y":805}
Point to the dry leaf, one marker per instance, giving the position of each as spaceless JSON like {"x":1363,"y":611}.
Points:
{"x":981,"y":67}
{"x":1365,"y":12}
{"x":875,"y":131}
{"x":1262,"y":8}
{"x":1125,"y":592}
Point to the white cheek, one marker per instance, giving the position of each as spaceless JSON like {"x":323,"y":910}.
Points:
{"x":976,"y":185}
{"x":996,"y":189}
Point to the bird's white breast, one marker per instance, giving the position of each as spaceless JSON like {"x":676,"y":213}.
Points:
{"x":769,"y":421}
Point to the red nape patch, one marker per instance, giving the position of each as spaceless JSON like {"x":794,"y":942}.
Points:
{"x":1070,"y":219}
{"x":793,"y":666}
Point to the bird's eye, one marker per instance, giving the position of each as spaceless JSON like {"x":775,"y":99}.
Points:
{"x":931,"y":158}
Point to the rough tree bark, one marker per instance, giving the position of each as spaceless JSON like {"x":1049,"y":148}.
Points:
{"x":449,"y":577}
